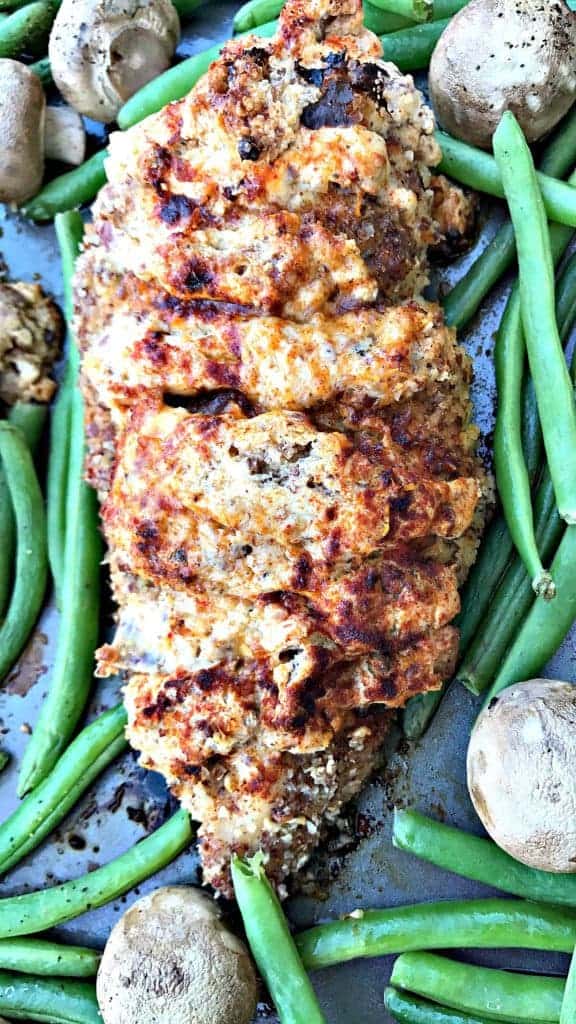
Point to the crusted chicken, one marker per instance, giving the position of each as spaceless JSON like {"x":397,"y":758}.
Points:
{"x":279,"y":429}
{"x":30,"y":337}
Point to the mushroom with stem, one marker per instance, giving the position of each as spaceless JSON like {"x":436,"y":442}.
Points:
{"x":103,"y":51}
{"x":171,"y":960}
{"x":521,"y":772}
{"x":29,"y":131}
{"x":498,"y":55}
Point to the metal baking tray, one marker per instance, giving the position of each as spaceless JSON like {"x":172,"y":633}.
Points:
{"x":360,"y":869}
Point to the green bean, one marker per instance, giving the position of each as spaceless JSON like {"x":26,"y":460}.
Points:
{"x":187,"y":7}
{"x":475,"y":924}
{"x":37,"y":956}
{"x":513,"y":597}
{"x":272,"y":945}
{"x":511,"y":602}
{"x":69,"y":190}
{"x":4,"y":759}
{"x":7,"y":542}
{"x":568,"y":1008}
{"x":46,"y":908}
{"x":43,"y":69}
{"x":411,"y":48}
{"x":509,"y":462}
{"x":500,"y":995}
{"x":30,"y":420}
{"x":31,"y":559}
{"x":381,"y":22}
{"x":80,"y":588}
{"x":255,"y":13}
{"x":479,"y":170}
{"x":69,"y":232}
{"x":38,"y":815}
{"x":542,"y":633}
{"x":566,"y":301}
{"x":409,"y":1009}
{"x":52,"y":1000}
{"x":176,"y":82}
{"x":413,"y":10}
{"x":554,"y":393}
{"x":26,"y":29}
{"x":479,"y":859}
{"x":463,"y":301}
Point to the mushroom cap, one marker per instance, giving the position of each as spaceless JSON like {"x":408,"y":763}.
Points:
{"x":103,"y":51}
{"x":171,"y":960}
{"x":498,"y":55}
{"x":22,"y":114}
{"x":521,"y":773}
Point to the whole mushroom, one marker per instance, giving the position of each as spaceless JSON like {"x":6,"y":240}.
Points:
{"x":521,"y":773}
{"x":103,"y":51}
{"x":171,"y":960}
{"x":498,"y":55}
{"x":31,"y":131}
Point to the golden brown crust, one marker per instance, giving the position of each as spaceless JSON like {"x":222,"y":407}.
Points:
{"x":279,"y":426}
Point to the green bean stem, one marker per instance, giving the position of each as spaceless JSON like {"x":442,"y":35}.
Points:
{"x":31,"y":557}
{"x":26,"y":29}
{"x":568,"y":1008}
{"x":463,"y":301}
{"x":408,"y":1009}
{"x":177,"y":82}
{"x":43,"y":69}
{"x":51,"y":1000}
{"x":510,"y":467}
{"x":479,"y":170}
{"x":476,"y":924}
{"x":78,"y":631}
{"x":69,"y":232}
{"x":39,"y":814}
{"x":69,"y":190}
{"x":479,"y":859}
{"x":546,"y":625}
{"x":38,"y":956}
{"x":499,"y":995}
{"x":554,"y":393}
{"x":272,"y":945}
{"x":46,"y":908}
{"x":413,"y":10}
{"x":411,"y":48}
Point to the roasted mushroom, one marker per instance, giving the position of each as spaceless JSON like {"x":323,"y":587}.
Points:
{"x":521,"y":774}
{"x":31,"y":330}
{"x":171,"y":960}
{"x":29,"y":131}
{"x":103,"y":51}
{"x":498,"y":55}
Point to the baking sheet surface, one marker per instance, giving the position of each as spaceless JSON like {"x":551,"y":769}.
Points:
{"x":360,"y":870}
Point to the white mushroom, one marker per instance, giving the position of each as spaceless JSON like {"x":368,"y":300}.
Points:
{"x":103,"y":51}
{"x":498,"y":55}
{"x":171,"y":960}
{"x":22,"y":114}
{"x":522,"y":773}
{"x":29,"y":131}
